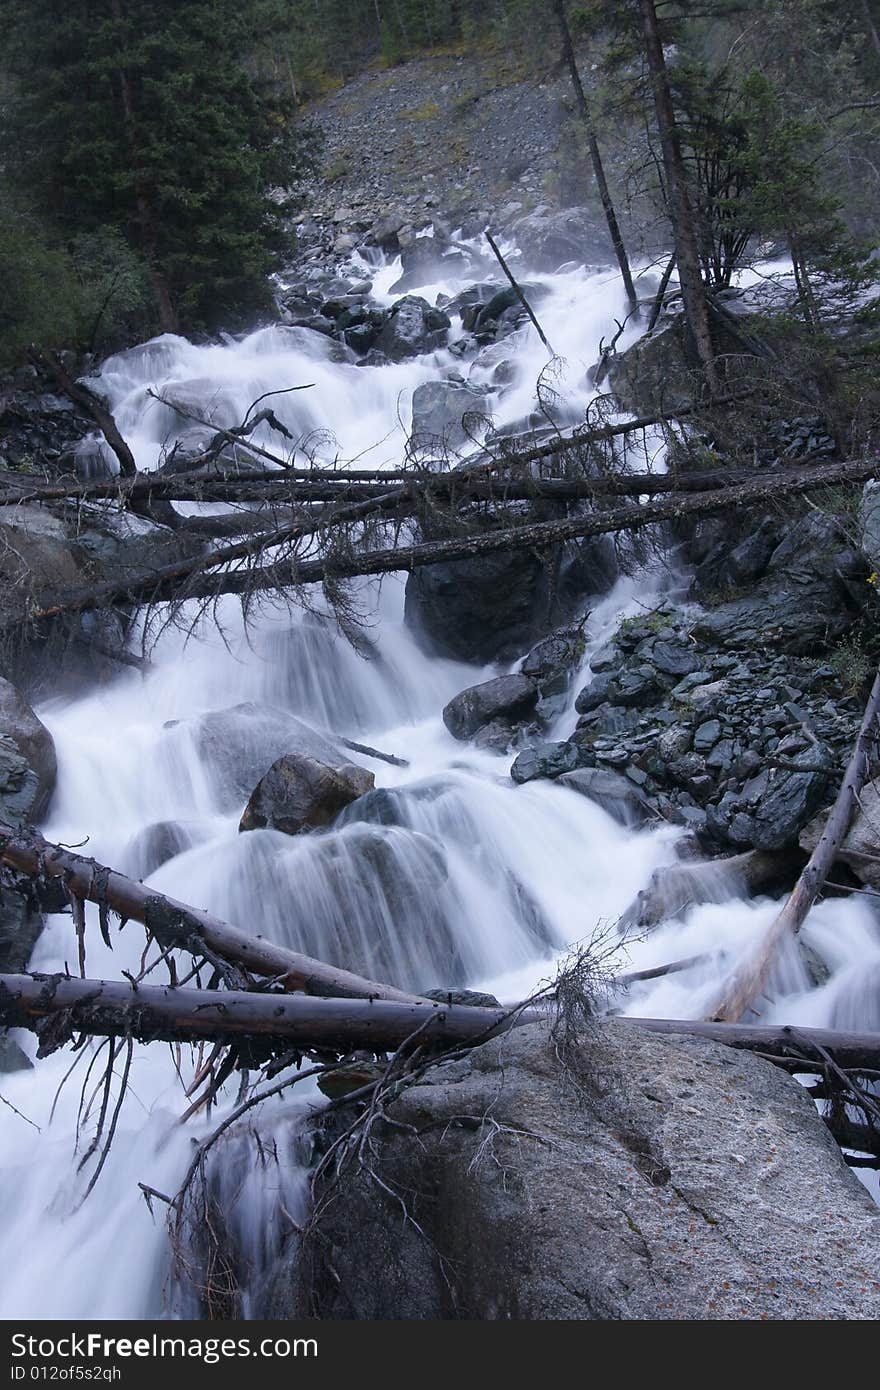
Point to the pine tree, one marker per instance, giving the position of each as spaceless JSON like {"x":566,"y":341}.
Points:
{"x":139,"y":115}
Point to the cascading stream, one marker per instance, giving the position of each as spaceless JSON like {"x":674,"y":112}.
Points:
{"x":448,"y":874}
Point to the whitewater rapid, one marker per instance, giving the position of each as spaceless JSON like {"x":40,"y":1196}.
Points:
{"x":478,"y":878}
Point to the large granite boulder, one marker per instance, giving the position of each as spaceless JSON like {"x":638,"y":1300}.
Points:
{"x":413,"y":327}
{"x":649,"y":1178}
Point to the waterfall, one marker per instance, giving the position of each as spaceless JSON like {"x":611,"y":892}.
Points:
{"x":447,"y":874}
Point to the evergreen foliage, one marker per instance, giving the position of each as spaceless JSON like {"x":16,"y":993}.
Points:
{"x":138,"y":115}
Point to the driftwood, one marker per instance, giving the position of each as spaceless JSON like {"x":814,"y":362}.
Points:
{"x":151,"y":1013}
{"x":751,"y":979}
{"x":188,"y":579}
{"x":179,"y":926}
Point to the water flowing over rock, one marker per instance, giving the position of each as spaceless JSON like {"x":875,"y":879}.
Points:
{"x":300,"y":793}
{"x":238,"y":745}
{"x":650,"y":1178}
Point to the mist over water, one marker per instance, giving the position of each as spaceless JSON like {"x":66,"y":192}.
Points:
{"x":447,"y":875}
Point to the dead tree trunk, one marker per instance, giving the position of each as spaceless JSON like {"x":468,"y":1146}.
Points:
{"x":177,"y":925}
{"x":681,"y":215}
{"x":595,"y":154}
{"x":149,"y":1013}
{"x":49,"y":365}
{"x":751,"y":979}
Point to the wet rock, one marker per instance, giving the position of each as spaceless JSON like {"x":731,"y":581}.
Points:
{"x":615,"y":794}
{"x":19,"y":787}
{"x":553,"y":661}
{"x":654,"y":372}
{"x":860,"y":850}
{"x":650,"y":1197}
{"x":546,"y":760}
{"x":236,"y":746}
{"x":33,"y":741}
{"x":487,"y":609}
{"x":444,"y":414}
{"x":12,"y":1058}
{"x":507,"y":697}
{"x":413,"y":328}
{"x":21,"y":923}
{"x":155,"y":844}
{"x":548,"y":239}
{"x":674,"y":889}
{"x":300,"y":793}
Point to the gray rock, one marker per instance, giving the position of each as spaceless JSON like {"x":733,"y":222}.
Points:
{"x":238,"y":745}
{"x":660,"y":1177}
{"x":33,"y":741}
{"x":300,"y":793}
{"x":412,"y":328}
{"x":869,"y":524}
{"x":546,"y":760}
{"x":706,"y":736}
{"x":505,"y":697}
{"x":442,"y":414}
{"x":548,"y":239}
{"x":861,"y":848}
{"x":615,"y":794}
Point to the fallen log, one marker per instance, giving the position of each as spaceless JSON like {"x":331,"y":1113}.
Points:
{"x":518,"y":291}
{"x":751,"y":979}
{"x":150,"y":1013}
{"x":178,"y":925}
{"x":161,"y":586}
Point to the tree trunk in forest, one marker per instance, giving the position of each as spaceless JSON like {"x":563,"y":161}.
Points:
{"x":147,"y":220}
{"x":595,"y":154}
{"x":681,"y":213}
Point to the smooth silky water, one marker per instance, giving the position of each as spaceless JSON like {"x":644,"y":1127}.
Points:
{"x":454,"y":876}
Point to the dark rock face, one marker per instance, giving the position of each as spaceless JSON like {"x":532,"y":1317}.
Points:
{"x":299,"y":793}
{"x":412,"y":328}
{"x":19,"y":787}
{"x":481,"y":610}
{"x":654,"y":373}
{"x":506,"y":697}
{"x":639,"y":1187}
{"x":33,"y":741}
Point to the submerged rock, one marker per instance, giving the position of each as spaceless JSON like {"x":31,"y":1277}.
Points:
{"x":300,"y":793}
{"x":659,"y":1177}
{"x":617,"y":795}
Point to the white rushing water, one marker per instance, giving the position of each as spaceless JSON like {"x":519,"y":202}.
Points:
{"x":457,"y":876}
